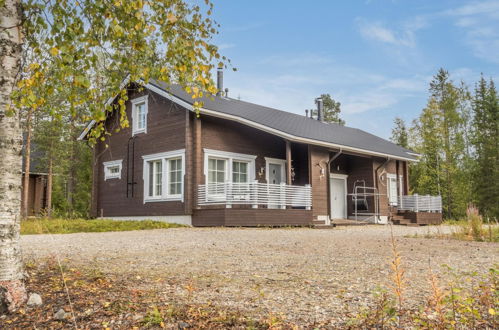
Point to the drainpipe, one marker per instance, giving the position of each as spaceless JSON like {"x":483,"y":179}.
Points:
{"x":377,"y":178}
{"x":331,"y":160}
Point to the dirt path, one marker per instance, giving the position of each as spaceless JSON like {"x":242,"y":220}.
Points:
{"x":302,"y":274}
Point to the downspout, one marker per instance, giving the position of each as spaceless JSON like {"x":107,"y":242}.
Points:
{"x":377,"y":179}
{"x":331,"y":160}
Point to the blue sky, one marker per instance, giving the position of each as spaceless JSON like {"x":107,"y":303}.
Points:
{"x":376,"y":57}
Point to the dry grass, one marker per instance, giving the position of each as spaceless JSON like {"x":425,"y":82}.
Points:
{"x":67,"y":226}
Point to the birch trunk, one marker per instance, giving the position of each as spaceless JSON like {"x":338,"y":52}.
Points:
{"x":12,"y":291}
{"x":27,"y":161}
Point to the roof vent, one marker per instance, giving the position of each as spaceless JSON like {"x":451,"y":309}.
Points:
{"x":226,"y":92}
{"x":306,"y":113}
{"x":320,"y":109}
{"x":220,"y":81}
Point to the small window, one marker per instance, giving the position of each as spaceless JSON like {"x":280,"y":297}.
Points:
{"x":139,"y":115}
{"x":216,"y":170}
{"x":240,"y":172}
{"x":392,"y":189}
{"x":112,"y":169}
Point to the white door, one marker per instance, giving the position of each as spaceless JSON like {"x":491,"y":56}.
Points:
{"x":275,"y":176}
{"x":275,"y":173}
{"x":338,"y":198}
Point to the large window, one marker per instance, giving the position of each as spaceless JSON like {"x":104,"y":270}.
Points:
{"x":222,"y":166}
{"x":164,"y":176}
{"x":139,"y":115}
{"x":112,"y":169}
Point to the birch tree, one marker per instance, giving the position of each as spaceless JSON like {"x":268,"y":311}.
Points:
{"x":167,"y":40}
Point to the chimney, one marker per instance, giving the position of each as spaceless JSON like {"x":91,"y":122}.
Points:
{"x":320,"y":109}
{"x":306,"y":113}
{"x":226,"y":92}
{"x":220,"y":81}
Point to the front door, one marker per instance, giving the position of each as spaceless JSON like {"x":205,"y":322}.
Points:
{"x":338,"y":198}
{"x":275,"y":173}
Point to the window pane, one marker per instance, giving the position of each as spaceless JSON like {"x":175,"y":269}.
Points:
{"x":212,"y":163}
{"x":151,"y":176}
{"x":220,"y":177}
{"x":159,"y":177}
{"x":243,"y":167}
{"x":220,"y":165}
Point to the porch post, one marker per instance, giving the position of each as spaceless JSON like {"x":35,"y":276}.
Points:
{"x":288,"y":162}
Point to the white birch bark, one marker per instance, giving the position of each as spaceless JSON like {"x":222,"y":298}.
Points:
{"x":12,"y":292}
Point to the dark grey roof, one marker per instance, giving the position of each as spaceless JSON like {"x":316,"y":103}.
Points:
{"x":294,"y":124}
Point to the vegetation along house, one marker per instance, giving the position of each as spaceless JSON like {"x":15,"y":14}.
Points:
{"x":242,"y":164}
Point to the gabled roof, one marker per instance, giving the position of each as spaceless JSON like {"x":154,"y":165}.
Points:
{"x":288,"y":125}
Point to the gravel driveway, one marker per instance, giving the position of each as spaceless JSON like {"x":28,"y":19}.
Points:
{"x":305,"y":275}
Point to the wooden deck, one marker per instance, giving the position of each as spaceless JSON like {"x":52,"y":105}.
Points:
{"x":249,"y":217}
{"x":409,"y":218}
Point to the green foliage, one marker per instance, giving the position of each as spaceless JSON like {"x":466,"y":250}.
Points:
{"x":67,"y":226}
{"x":438,"y":135}
{"x":332,"y":110}
{"x":485,"y":140}
{"x":78,"y":52}
{"x":399,"y":133}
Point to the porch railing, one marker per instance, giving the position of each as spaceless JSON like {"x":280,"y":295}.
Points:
{"x":420,"y":203}
{"x":255,"y":194}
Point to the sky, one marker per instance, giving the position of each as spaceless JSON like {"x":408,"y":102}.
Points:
{"x":376,"y":57}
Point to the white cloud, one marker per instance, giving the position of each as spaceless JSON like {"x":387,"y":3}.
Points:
{"x":405,"y":36}
{"x":480,"y":21}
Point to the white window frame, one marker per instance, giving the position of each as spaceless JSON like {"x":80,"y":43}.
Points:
{"x":164,"y":157}
{"x":398,"y":184}
{"x":135,"y":121}
{"x":113,"y":163}
{"x":229,"y":157}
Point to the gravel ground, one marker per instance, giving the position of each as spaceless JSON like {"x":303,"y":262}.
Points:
{"x":303,"y":274}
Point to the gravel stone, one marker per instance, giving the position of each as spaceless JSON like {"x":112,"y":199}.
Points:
{"x":60,"y":315}
{"x":301,"y":274}
{"x":34,"y":300}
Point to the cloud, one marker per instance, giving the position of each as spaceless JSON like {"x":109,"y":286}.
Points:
{"x":479,"y":20}
{"x":377,"y":31}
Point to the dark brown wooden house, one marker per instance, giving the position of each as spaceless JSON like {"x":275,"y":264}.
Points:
{"x":242,"y":164}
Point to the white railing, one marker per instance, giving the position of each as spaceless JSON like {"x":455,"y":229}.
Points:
{"x":255,"y":194}
{"x":420,"y":203}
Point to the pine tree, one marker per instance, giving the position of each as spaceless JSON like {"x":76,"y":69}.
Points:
{"x":485,"y":136}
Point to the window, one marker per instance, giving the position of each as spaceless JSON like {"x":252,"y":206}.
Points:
{"x":222,"y":166}
{"x":216,"y":170}
{"x":112,"y":169}
{"x":155,"y":178}
{"x":240,"y":172}
{"x":392,"y":188}
{"x":175,"y":177}
{"x":164,"y":176}
{"x":139,"y":115}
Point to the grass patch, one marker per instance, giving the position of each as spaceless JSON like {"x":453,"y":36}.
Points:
{"x":68,"y":226}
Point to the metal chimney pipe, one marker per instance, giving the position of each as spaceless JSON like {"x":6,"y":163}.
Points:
{"x":306,"y":113}
{"x":220,"y":81}
{"x":320,"y":109}
{"x":226,"y":92}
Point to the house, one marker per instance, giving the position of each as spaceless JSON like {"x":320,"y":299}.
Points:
{"x":37,"y":189}
{"x":242,"y":164}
